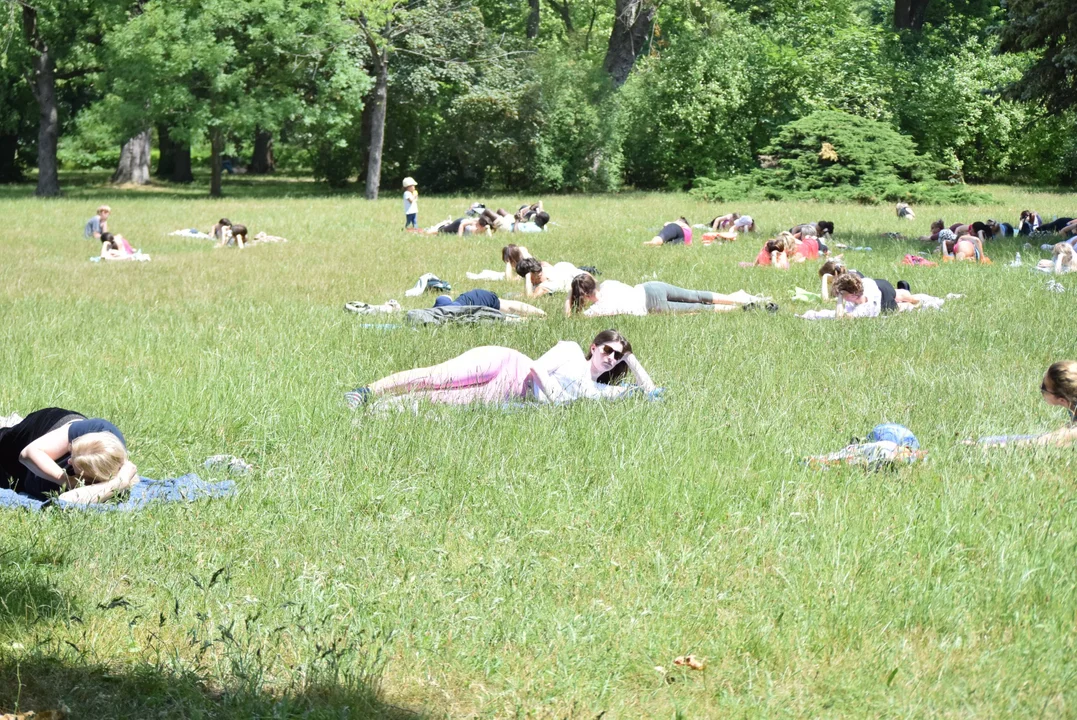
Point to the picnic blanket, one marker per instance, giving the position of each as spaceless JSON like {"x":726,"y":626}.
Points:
{"x":192,"y":233}
{"x":187,"y":488}
{"x":873,"y":455}
{"x":458,"y":315}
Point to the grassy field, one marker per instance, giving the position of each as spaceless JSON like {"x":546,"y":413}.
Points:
{"x":545,"y":564}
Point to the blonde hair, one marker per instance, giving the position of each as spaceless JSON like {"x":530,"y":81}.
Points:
{"x":98,"y":456}
{"x":1069,"y":257}
{"x":103,"y":208}
{"x":1063,"y":377}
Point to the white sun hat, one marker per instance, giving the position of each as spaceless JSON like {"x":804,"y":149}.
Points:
{"x":409,"y":181}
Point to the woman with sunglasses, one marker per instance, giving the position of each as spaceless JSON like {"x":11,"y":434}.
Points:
{"x":650,"y":298}
{"x":493,"y":375}
{"x":1059,"y":388}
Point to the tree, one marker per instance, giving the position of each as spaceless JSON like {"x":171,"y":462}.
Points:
{"x":1049,"y":29}
{"x":260,"y":64}
{"x":633,"y":21}
{"x":61,"y":40}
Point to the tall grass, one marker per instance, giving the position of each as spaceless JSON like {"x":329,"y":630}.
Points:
{"x":542,"y":563}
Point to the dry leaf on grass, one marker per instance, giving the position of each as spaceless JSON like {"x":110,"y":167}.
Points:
{"x":43,"y":715}
{"x":690,"y":661}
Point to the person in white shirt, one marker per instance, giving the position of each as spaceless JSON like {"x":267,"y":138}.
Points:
{"x":542,"y":278}
{"x":411,"y":203}
{"x":596,"y":375}
{"x":617,"y":298}
{"x":493,"y":375}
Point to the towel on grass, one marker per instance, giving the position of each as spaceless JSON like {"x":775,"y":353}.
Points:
{"x":428,"y":281}
{"x":874,"y":455}
{"x":188,"y":488}
{"x":192,"y":233}
{"x":458,"y":315}
{"x":361,"y":308}
{"x":1004,"y":439}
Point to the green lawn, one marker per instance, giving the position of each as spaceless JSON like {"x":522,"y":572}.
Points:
{"x":471,"y":562}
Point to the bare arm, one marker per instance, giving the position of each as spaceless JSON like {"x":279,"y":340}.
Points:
{"x":642,"y":378}
{"x":568,"y":306}
{"x":826,"y":286}
{"x":99,"y":492}
{"x":509,"y":272}
{"x":1063,"y":437}
{"x":40,"y":456}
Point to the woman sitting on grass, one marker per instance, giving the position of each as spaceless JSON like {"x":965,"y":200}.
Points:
{"x":677,"y":232}
{"x":59,"y":451}
{"x":494,"y":375}
{"x":542,"y":278}
{"x":651,"y":298}
{"x":485,"y":298}
{"x":1029,"y":222}
{"x":229,"y":233}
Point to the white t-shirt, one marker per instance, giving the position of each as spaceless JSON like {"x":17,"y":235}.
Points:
{"x":743,"y":222}
{"x":411,"y":203}
{"x":566,"y":365}
{"x":559,"y":277}
{"x":527,"y":227}
{"x":617,"y":298}
{"x":873,"y":301}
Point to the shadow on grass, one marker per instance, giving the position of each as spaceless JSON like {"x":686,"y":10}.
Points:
{"x":95,"y":185}
{"x":96,"y":691}
{"x":26,"y":596}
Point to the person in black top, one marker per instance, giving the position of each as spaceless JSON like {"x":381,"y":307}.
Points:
{"x":56,"y":450}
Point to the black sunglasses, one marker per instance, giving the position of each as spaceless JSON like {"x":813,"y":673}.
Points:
{"x":617,"y":354}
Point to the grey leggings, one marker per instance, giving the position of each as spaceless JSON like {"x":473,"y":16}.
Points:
{"x":665,"y":298}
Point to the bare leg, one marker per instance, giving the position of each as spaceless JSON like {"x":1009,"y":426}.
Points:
{"x":498,"y":367}
{"x":521,"y":308}
{"x":655,"y":241}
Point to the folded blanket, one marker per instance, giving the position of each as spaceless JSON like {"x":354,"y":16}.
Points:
{"x":264,"y":238}
{"x":192,"y":233}
{"x":458,"y":314}
{"x":361,"y":308}
{"x":188,"y":488}
{"x":874,"y":455}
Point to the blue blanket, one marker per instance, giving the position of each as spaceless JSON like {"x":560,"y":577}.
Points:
{"x":182,"y":489}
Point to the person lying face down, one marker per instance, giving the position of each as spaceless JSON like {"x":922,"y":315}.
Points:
{"x":611,"y":297}
{"x":1058,"y":388}
{"x":494,"y":375}
{"x":677,"y":232}
{"x":485,"y":298}
{"x":820,"y":229}
{"x":60,"y":451}
{"x":542,"y":278}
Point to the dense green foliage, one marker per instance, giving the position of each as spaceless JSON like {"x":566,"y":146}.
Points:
{"x":832,"y":155}
{"x":476,"y":100}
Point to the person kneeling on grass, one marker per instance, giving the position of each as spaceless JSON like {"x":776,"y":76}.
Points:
{"x":541,"y":277}
{"x":485,"y":298}
{"x":965,"y":247}
{"x":494,"y":375}
{"x":56,"y":450}
{"x":678,"y":232}
{"x":652,"y":298}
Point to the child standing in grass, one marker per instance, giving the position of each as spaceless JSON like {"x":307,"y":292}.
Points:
{"x":411,"y":203}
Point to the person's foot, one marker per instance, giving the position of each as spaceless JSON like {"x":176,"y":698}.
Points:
{"x":358,"y":396}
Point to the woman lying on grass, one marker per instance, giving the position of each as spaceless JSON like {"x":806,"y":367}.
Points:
{"x":541,"y":278}
{"x":651,"y":298}
{"x":735,"y":222}
{"x":787,"y":248}
{"x":677,"y":232}
{"x":494,"y":375}
{"x":964,"y":247}
{"x":859,"y":296}
{"x":56,"y":450}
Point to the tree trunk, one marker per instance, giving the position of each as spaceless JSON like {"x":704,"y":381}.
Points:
{"x":565,"y":11}
{"x":216,"y":144}
{"x":633,"y":21}
{"x":377,"y":124}
{"x":909,"y":14}
{"x":134,"y":166}
{"x":262,"y":163}
{"x":10,"y":172}
{"x":43,"y":85}
{"x":166,"y":159}
{"x":181,"y":159}
{"x":533,"y":19}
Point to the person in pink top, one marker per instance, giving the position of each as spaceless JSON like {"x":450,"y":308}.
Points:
{"x":678,"y":232}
